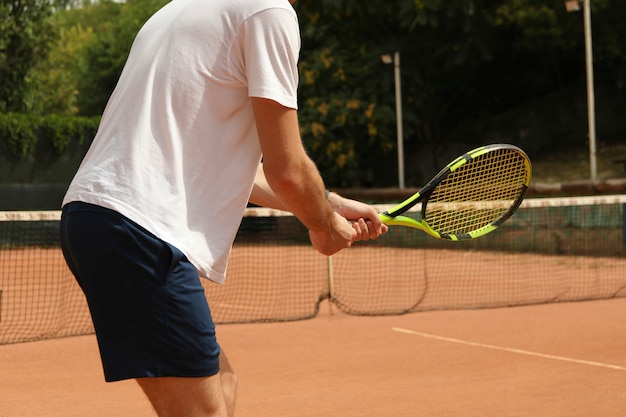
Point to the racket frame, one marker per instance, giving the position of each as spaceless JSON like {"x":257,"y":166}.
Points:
{"x":393,"y":217}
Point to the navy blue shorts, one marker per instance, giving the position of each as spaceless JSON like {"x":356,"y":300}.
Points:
{"x":147,"y":304}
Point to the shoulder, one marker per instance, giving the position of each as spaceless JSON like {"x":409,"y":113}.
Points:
{"x":268,"y":8}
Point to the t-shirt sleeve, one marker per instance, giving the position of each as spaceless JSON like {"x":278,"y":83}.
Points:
{"x":271,"y":50}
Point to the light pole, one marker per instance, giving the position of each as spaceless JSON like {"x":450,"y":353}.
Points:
{"x":573,"y":6}
{"x":395,"y":60}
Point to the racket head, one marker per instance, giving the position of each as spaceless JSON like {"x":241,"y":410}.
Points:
{"x":472,"y":196}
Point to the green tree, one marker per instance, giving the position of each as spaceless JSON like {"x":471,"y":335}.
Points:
{"x":442,"y":45}
{"x":88,"y":56}
{"x":114,"y":26}
{"x":463,"y":62}
{"x":58,"y":76}
{"x":26,"y":35}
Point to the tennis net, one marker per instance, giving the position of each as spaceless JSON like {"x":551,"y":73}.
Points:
{"x":551,"y":250}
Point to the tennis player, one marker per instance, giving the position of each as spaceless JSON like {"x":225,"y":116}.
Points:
{"x":207,"y":92}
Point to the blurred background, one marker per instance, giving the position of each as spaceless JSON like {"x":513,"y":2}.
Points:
{"x":390,"y":91}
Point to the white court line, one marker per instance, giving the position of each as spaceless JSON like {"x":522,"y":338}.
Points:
{"x":512,"y":350}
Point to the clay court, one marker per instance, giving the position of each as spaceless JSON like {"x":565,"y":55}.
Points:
{"x":462,"y":351}
{"x":563,"y":359}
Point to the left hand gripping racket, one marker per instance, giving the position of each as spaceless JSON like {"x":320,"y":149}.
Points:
{"x":472,"y":196}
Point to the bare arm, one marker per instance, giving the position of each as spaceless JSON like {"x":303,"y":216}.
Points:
{"x":291,"y":181}
{"x":262,"y":194}
{"x":366,"y":222}
{"x":287,"y":169}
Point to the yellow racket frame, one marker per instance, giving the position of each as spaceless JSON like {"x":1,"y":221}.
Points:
{"x":392,"y":216}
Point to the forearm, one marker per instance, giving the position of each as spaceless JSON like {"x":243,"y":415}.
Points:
{"x":300,"y":190}
{"x":262,"y":194}
{"x":365,"y":220}
{"x":289,"y":179}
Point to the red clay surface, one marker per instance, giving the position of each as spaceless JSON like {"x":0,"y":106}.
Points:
{"x":564,"y":359}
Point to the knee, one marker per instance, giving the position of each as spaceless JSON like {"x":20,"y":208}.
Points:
{"x":229,"y":378}
{"x":230,"y":381}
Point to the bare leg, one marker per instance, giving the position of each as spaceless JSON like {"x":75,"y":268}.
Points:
{"x":212,"y":396}
{"x":186,"y":397}
{"x":229,"y":383}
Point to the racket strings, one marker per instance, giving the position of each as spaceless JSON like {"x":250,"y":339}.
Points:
{"x":478,"y":193}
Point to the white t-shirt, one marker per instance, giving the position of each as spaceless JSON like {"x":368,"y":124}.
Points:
{"x":177,"y":148}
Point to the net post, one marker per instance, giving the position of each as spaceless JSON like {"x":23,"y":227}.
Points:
{"x":331,"y":278}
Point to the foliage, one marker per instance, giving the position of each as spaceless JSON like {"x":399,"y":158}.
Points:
{"x":17,"y":130}
{"x":463,"y":63}
{"x":114,"y":26}
{"x":22,"y":132}
{"x":344,"y":128}
{"x":88,"y":55}
{"x":26,"y":34}
{"x":342,"y":46}
{"x":58,"y":76}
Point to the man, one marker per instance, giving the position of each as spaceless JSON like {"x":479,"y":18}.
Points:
{"x":209,"y":88}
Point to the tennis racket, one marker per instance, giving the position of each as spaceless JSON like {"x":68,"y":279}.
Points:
{"x":472,"y":196}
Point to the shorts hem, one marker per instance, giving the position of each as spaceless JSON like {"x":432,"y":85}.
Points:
{"x":138,"y":375}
